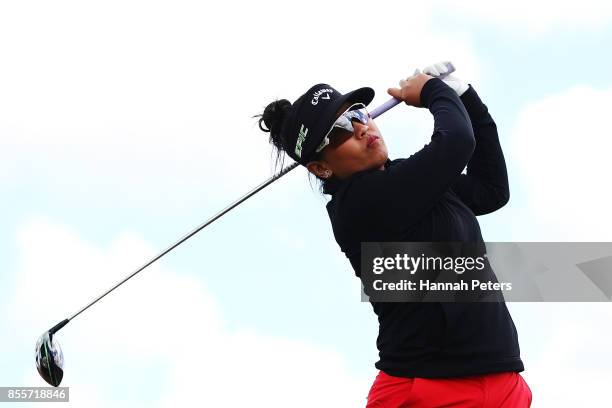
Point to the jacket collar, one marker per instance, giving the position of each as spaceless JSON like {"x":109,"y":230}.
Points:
{"x":332,"y":185}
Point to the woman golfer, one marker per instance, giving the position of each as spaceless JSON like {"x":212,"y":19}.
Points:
{"x":431,"y":354}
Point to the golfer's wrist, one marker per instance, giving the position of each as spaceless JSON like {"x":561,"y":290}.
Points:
{"x":430,"y":89}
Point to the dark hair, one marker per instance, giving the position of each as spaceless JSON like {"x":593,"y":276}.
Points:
{"x":273,"y":118}
{"x":272,"y":121}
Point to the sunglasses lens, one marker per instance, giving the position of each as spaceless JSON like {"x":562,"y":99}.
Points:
{"x":344,"y":122}
{"x":338,"y":136}
{"x":360,"y":115}
{"x":342,"y":129}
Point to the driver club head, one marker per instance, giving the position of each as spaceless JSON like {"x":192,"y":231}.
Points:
{"x":49,"y":359}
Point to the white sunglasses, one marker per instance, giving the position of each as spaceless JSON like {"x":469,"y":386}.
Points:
{"x":356,"y":112}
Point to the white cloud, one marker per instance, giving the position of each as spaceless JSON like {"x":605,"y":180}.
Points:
{"x":523,"y":17}
{"x":560,"y":146}
{"x":135,"y":102}
{"x":162,"y":332}
{"x":567,"y":360}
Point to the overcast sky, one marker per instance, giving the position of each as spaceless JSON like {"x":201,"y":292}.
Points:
{"x":124,"y":124}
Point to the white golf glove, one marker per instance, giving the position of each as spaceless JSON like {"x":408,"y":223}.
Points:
{"x":440,"y":68}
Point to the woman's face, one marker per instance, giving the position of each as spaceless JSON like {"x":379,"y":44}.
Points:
{"x":349,"y":153}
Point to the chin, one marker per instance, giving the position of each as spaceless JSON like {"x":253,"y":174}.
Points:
{"x":380,"y":161}
{"x":383,"y":157}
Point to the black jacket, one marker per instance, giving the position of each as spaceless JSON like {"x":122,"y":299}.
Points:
{"x":426,"y":198}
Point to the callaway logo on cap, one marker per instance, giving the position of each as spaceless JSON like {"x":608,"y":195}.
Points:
{"x":323,"y":93}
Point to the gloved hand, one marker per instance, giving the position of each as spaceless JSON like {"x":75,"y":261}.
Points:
{"x":440,"y":68}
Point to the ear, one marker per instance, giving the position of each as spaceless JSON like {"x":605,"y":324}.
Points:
{"x":319,"y":169}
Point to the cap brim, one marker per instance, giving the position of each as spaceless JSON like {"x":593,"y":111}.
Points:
{"x":363,"y":95}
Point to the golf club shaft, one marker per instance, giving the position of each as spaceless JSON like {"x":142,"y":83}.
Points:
{"x":375,"y":113}
{"x":190,"y":234}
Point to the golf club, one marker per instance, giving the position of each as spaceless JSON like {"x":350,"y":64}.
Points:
{"x":49,"y":357}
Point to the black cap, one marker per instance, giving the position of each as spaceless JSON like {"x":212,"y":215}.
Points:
{"x":312,"y":115}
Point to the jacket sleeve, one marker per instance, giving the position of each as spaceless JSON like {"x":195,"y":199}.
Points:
{"x":484,"y":188}
{"x":413,"y":185}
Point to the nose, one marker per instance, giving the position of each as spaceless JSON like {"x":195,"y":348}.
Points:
{"x":360,"y":130}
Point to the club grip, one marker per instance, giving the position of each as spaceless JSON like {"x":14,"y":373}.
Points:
{"x":379,"y":110}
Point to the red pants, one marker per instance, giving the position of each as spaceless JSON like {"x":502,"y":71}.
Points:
{"x":500,"y":390}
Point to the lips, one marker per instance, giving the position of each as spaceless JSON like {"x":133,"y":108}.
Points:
{"x":372,"y":140}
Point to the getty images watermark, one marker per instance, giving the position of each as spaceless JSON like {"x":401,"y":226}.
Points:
{"x":486,"y":272}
